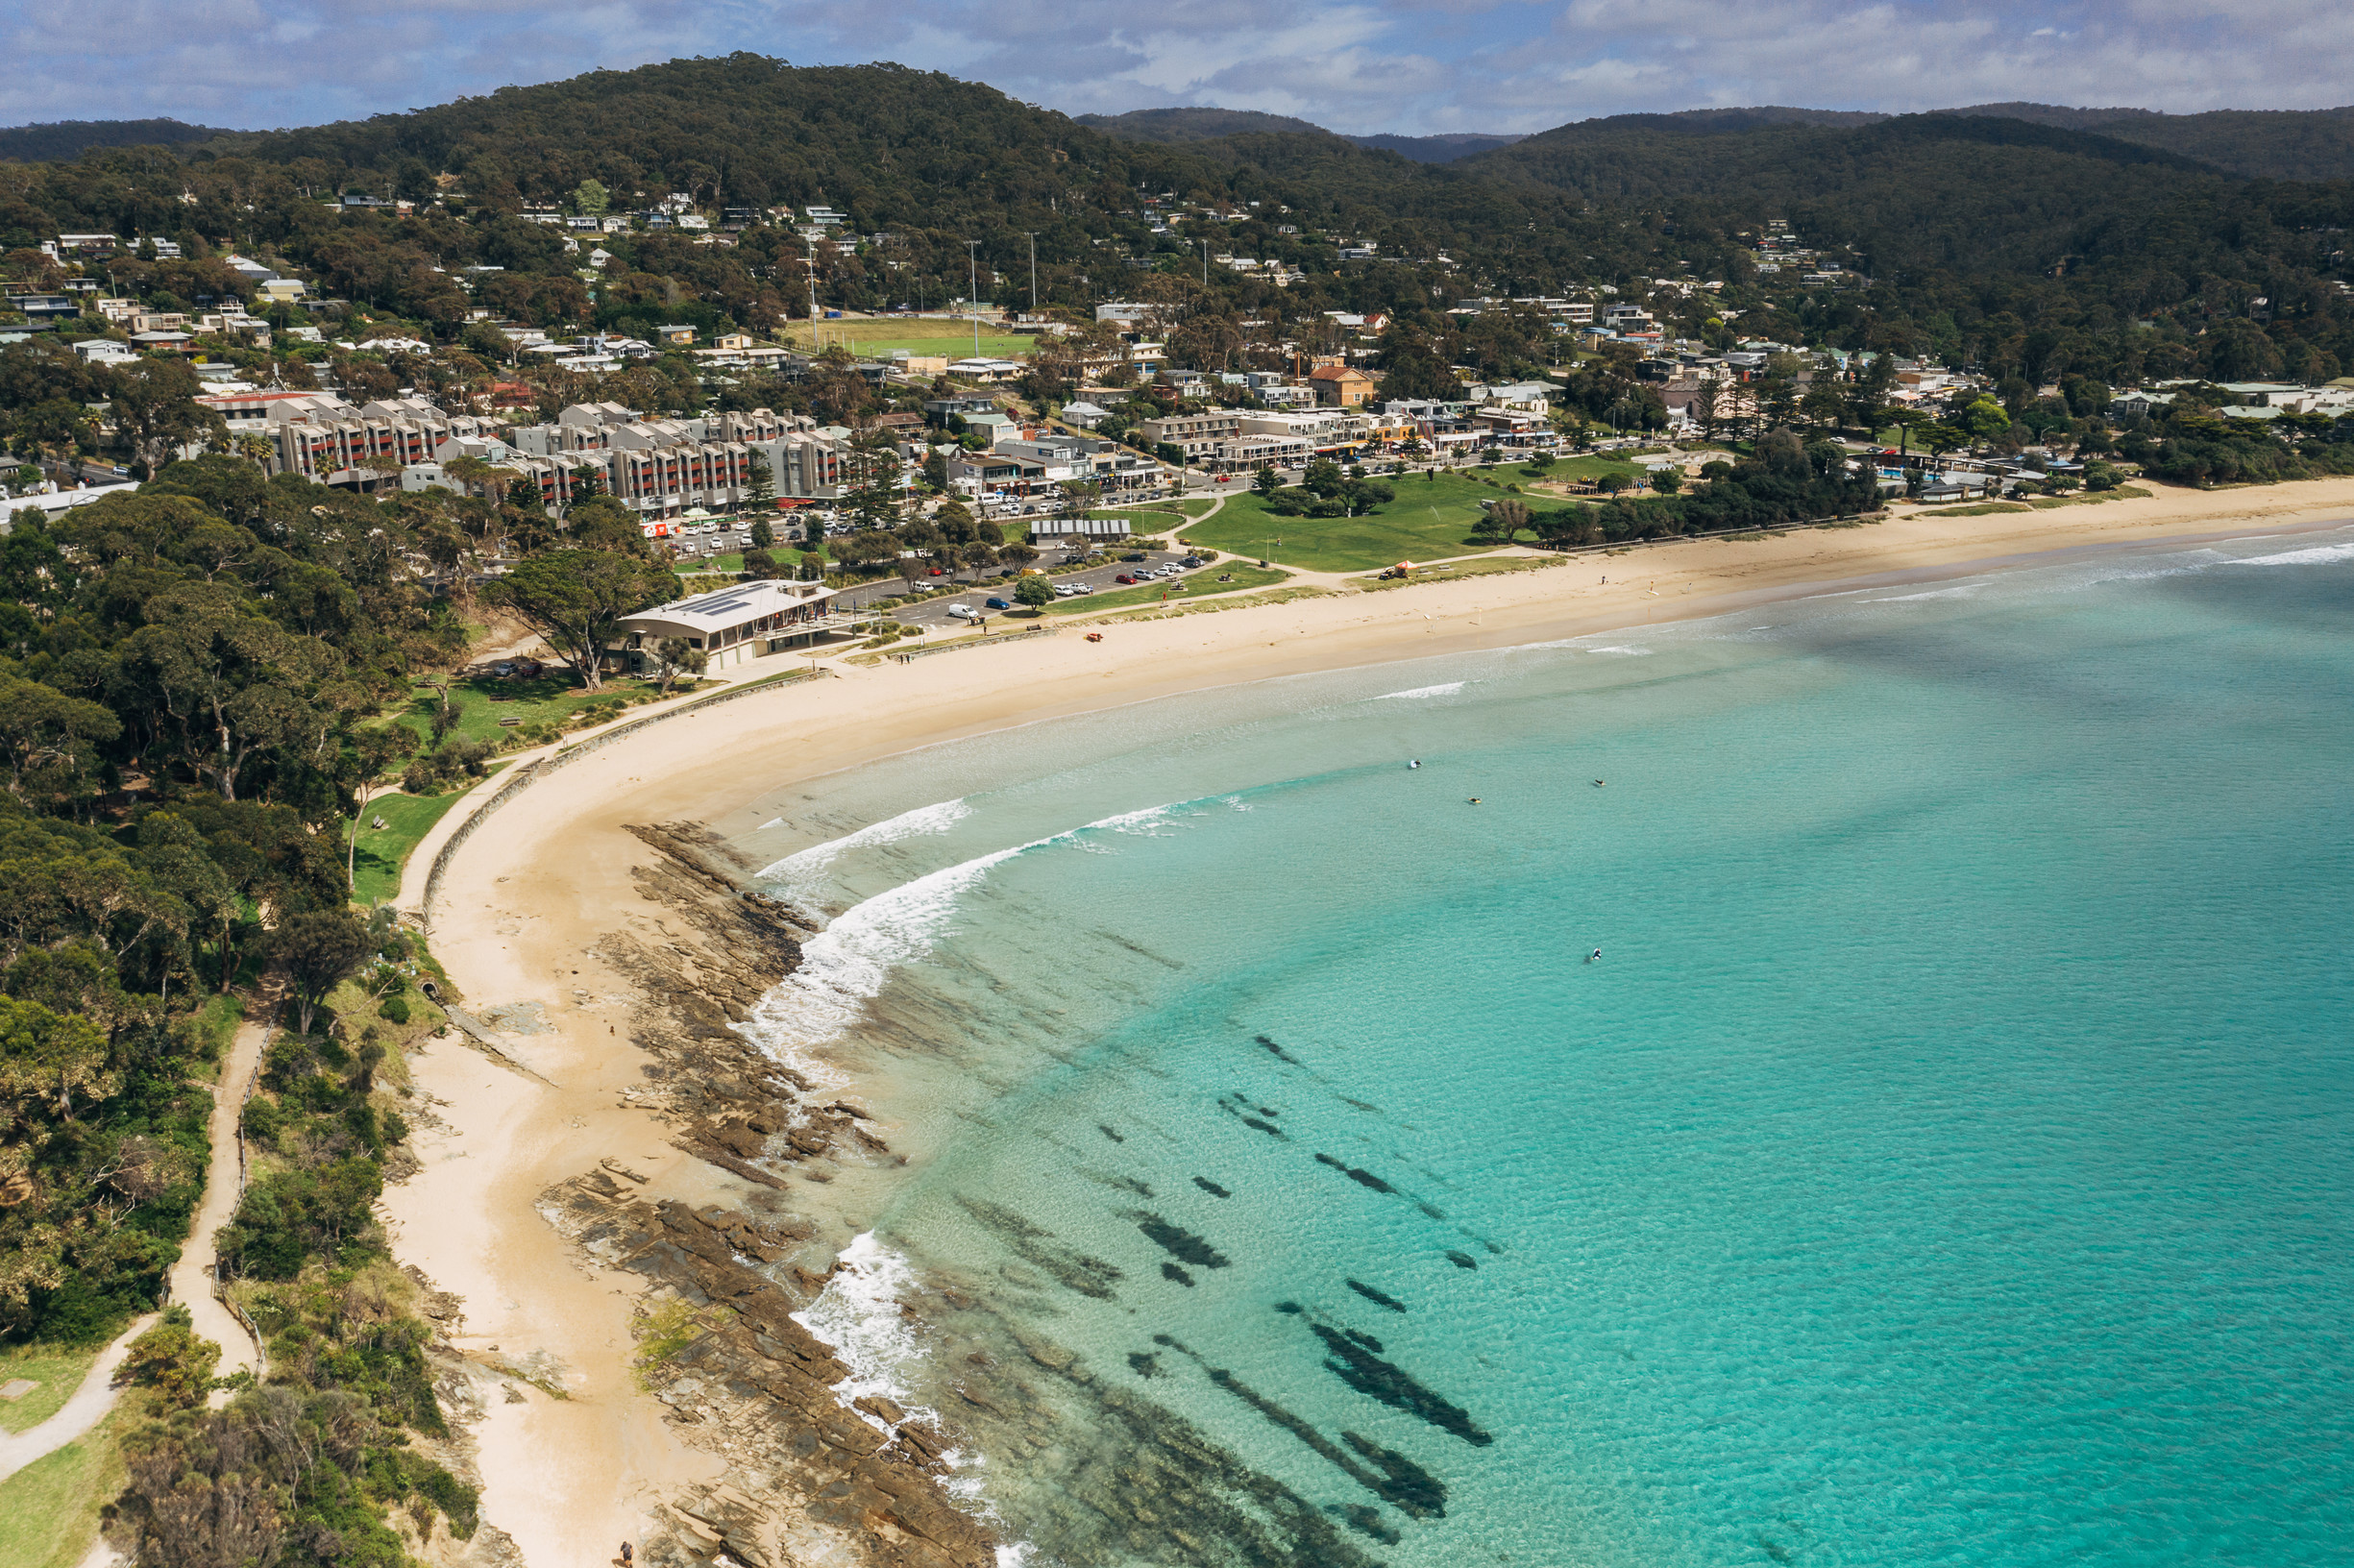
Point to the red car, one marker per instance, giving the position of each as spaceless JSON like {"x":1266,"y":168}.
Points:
{"x":1125,"y":577}
{"x":935,"y":570}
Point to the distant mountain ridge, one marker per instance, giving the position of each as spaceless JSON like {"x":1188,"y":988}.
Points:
{"x":1177,"y":125}
{"x":2261,"y":144}
{"x":71,"y":138}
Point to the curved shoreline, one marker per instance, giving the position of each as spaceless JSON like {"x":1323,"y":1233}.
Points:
{"x":520,"y":913}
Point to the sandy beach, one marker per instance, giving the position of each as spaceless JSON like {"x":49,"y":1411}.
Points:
{"x":543,"y":883}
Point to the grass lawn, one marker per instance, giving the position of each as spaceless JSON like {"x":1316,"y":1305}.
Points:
{"x":1431,"y":518}
{"x":58,"y":1370}
{"x":49,"y":1509}
{"x":375,"y":868}
{"x":1204,"y":584}
{"x":880,"y":339}
{"x":489,"y":699}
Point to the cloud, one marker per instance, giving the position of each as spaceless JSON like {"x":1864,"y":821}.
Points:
{"x":1358,"y":66}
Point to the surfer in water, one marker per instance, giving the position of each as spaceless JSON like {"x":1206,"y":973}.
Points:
{"x":1594,"y":956}
{"x":1416,"y":763}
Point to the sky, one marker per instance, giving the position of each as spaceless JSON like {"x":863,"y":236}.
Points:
{"x":1362,"y":66}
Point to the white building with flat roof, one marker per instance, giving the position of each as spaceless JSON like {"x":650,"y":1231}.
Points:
{"x":734,"y":625}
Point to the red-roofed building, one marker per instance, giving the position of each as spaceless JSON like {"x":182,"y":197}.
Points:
{"x":1340,"y":386}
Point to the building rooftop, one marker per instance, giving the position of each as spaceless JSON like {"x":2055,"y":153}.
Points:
{"x":732,"y":606}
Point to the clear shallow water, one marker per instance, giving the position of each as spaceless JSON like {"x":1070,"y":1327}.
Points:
{"x":1948,"y":1162}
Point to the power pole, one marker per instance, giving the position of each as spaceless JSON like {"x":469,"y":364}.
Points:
{"x":1205,"y":263}
{"x":974,"y":298}
{"x":814,"y":344}
{"x":1033,"y":233}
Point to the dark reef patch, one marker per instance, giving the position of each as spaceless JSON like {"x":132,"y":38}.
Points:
{"x":1366,"y":1521}
{"x":1109,"y":1132}
{"x":1143,"y":1363}
{"x":1170,"y":1271}
{"x":1179,"y":1243}
{"x":1362,"y":1178}
{"x":1265,"y":1127}
{"x":1462,"y":1260}
{"x":1278,"y":1052}
{"x":1413,"y":1488}
{"x":1365,"y":1340}
{"x":1072,"y":1268}
{"x":1394,"y":1386}
{"x":1211,"y":1187}
{"x":1379,"y":1298}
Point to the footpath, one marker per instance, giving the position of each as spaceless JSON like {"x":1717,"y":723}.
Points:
{"x":191,"y":1277}
{"x":86,"y":1408}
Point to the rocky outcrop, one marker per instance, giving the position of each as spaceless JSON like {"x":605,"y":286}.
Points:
{"x":809,"y":1477}
{"x":761,"y":1390}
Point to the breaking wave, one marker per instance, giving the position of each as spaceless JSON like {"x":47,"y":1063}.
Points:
{"x":845,"y":967}
{"x":2313,"y":557}
{"x":803,"y":877}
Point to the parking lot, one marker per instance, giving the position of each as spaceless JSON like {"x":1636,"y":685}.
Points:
{"x":1091,"y":580}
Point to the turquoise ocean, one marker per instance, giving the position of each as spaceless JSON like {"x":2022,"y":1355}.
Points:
{"x":1949,"y":1158}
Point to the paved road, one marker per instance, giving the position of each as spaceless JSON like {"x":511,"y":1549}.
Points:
{"x":85,"y":1410}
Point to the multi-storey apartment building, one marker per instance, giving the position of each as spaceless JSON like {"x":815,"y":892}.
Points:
{"x":660,"y":467}
{"x":322,"y":437}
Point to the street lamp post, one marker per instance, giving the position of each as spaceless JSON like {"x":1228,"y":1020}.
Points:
{"x":1033,"y":236}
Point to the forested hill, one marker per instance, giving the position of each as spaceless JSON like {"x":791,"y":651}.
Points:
{"x":1167,"y":125}
{"x":70,"y":138}
{"x":2261,"y":144}
{"x":1933,"y":223}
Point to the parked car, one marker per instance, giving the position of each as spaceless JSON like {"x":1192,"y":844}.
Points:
{"x":963,"y":612}
{"x":1133,"y":555}
{"x":1125,"y":577}
{"x":1000,"y":604}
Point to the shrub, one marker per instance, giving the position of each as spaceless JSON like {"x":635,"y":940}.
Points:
{"x":395,"y":1009}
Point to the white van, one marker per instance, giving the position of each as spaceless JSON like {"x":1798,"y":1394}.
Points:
{"x":963,"y":612}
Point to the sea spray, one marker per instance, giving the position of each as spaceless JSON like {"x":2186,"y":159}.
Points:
{"x":1447,"y":689}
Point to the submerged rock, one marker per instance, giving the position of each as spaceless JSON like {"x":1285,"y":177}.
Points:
{"x":1379,"y":1298}
{"x":1181,"y":1244}
{"x":1277,"y":1051}
{"x":1394,"y":1386}
{"x":1211,"y":1187}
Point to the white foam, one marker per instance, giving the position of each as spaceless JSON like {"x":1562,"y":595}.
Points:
{"x":2313,"y":557}
{"x":845,"y":966}
{"x":1448,"y":690}
{"x":858,"y":1316}
{"x":803,"y":874}
{"x":1623,"y":652}
{"x":1961,"y":590}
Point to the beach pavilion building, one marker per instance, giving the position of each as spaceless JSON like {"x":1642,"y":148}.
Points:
{"x":734,"y":625}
